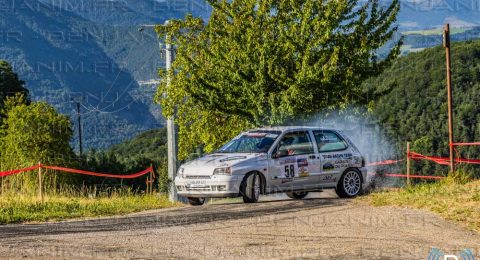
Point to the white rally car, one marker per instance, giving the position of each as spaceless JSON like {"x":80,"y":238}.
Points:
{"x":295,"y":160}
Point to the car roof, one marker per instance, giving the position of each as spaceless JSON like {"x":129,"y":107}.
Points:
{"x":287,"y":128}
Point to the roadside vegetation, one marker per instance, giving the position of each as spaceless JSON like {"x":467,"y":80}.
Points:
{"x":453,"y":198}
{"x":16,"y":208}
{"x":412,"y":104}
{"x":255,"y":63}
{"x":32,"y":132}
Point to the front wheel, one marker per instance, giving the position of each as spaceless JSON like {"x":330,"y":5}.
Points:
{"x":298,"y":195}
{"x":250,"y":188}
{"x":350,"y":184}
{"x":196,"y":201}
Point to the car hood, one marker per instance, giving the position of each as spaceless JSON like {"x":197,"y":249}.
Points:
{"x":206,"y":164}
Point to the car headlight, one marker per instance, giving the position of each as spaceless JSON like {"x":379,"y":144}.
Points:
{"x":180,"y":172}
{"x":223,"y":171}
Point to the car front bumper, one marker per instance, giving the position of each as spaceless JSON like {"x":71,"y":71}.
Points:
{"x":217,"y":186}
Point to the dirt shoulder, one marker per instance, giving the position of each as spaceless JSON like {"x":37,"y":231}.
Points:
{"x":453,"y":201}
{"x":320,"y":227}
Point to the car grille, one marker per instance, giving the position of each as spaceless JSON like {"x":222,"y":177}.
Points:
{"x":198,"y":188}
{"x":197,"y":177}
{"x":204,"y":188}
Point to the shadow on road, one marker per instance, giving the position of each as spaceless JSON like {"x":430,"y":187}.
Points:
{"x":168,"y":218}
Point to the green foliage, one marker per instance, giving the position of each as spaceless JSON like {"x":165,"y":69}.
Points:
{"x":145,"y":150}
{"x":149,"y":145}
{"x":33,"y":133}
{"x":415,"y":106}
{"x":10,"y":84}
{"x":264,"y":62}
{"x":460,"y":176}
{"x":36,"y":132}
{"x":17,"y":208}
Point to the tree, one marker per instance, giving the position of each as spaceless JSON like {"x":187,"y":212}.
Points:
{"x":36,"y":132}
{"x":259,"y":62}
{"x":10,"y":84}
{"x":30,"y":134}
{"x":415,"y":107}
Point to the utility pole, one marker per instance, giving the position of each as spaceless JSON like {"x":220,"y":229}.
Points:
{"x":446,"y":44}
{"x":79,"y":122}
{"x":171,"y":134}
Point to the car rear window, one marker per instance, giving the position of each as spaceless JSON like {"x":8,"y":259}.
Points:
{"x":329,"y":141}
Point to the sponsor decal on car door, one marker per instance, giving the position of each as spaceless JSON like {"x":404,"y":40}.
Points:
{"x":335,"y":156}
{"x":293,"y":161}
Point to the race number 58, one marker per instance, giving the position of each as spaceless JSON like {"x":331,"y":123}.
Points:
{"x":289,"y":170}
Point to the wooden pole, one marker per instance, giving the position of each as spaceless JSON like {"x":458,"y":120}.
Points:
{"x":147,"y":182}
{"x":446,"y":44}
{"x":40,"y":182}
{"x":152,"y":178}
{"x":151,"y":183}
{"x":408,"y":164}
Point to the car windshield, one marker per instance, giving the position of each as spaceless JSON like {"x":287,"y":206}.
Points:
{"x":251,"y":142}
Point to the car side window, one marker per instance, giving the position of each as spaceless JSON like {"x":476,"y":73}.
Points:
{"x":295,"y":143}
{"x":328,"y":141}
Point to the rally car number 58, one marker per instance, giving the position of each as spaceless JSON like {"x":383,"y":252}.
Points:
{"x":294,"y":160}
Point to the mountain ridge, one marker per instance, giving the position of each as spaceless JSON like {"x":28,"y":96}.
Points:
{"x":91,"y":51}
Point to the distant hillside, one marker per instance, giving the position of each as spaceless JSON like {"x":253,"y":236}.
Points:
{"x":418,"y":40}
{"x":92,"y":51}
{"x":415,"y":106}
{"x":149,"y":145}
{"x":131,"y":12}
{"x":430,"y":14}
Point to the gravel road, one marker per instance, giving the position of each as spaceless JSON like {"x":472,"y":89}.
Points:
{"x":319,"y":227}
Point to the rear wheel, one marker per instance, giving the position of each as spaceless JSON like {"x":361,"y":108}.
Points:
{"x":298,"y":195}
{"x":250,"y":188}
{"x":196,"y":201}
{"x":350,"y":184}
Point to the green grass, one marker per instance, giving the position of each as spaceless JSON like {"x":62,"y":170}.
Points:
{"x":24,"y":208}
{"x":452,"y":200}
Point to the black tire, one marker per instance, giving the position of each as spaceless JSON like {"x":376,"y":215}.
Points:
{"x":298,"y":195}
{"x":251,"y":187}
{"x":196,"y":201}
{"x":350,"y":184}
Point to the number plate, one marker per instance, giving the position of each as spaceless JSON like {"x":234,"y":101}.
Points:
{"x":198,"y":183}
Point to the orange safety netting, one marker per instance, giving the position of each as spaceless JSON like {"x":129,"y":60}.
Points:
{"x":13,"y":172}
{"x":63,"y":169}
{"x":466,"y":144}
{"x":442,"y":160}
{"x":386,"y":162}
